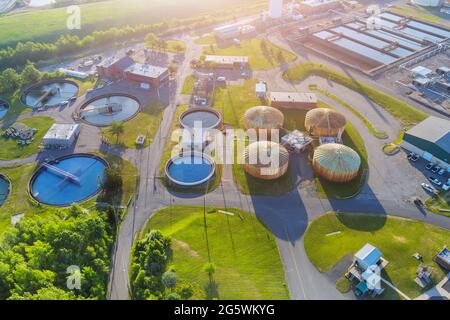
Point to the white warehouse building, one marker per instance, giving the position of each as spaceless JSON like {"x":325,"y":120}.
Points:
{"x":61,"y":135}
{"x":427,"y":3}
{"x":275,"y":9}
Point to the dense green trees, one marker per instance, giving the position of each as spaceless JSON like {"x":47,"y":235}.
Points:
{"x":150,"y":279}
{"x":35,"y":256}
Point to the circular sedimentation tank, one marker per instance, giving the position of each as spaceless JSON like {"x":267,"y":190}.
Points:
{"x":192,"y":169}
{"x":336,"y":162}
{"x":323,"y":122}
{"x":204,"y":118}
{"x":68,"y":180}
{"x":4,"y":108}
{"x":256,"y":161}
{"x":263,"y":118}
{"x":5,"y":188}
{"x":49,"y":93}
{"x":106,"y":109}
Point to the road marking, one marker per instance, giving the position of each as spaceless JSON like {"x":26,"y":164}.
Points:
{"x":295,"y":264}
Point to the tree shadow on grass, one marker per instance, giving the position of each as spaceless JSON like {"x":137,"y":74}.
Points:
{"x":212,"y":290}
{"x":362,"y":222}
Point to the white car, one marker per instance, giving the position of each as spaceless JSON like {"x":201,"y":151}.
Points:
{"x":221,"y":79}
{"x":427,"y":187}
{"x":445,"y":187}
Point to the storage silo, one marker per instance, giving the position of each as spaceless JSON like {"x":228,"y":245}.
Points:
{"x":323,"y":122}
{"x":336,"y":162}
{"x":275,"y":9}
{"x":263,"y":118}
{"x":259,"y":167}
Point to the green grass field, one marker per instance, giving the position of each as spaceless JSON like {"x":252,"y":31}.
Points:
{"x":145,"y":122}
{"x":188,"y":85}
{"x":11,"y":150}
{"x":259,"y":58}
{"x":405,"y":113}
{"x":48,"y":24}
{"x":245,"y":253}
{"x":426,"y":14}
{"x":441,"y":202}
{"x":396,"y":238}
{"x":19,"y":200}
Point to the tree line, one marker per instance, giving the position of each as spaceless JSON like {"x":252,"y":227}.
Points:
{"x":31,"y":51}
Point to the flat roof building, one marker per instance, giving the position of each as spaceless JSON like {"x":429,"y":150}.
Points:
{"x":126,"y":69}
{"x":61,"y":135}
{"x":318,"y":6}
{"x":227,"y":61}
{"x":430,"y":139}
{"x":293,"y":100}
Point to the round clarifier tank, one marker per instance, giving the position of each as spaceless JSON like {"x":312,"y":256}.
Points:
{"x":203,"y":117}
{"x":106,"y":109}
{"x":5,"y":186}
{"x":68,"y":180}
{"x":4,"y":108}
{"x":191,"y":169}
{"x":50,"y":93}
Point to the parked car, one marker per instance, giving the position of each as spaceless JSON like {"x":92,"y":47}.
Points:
{"x":221,"y":79}
{"x":429,"y":165}
{"x":427,"y":187}
{"x":418,"y":202}
{"x":441,"y":172}
{"x":445,"y":187}
{"x":435,"y":181}
{"x":435,"y":169}
{"x":413,"y":157}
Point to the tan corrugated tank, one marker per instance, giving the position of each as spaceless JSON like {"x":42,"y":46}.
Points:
{"x":323,"y":122}
{"x":259,"y":169}
{"x":263,"y":118}
{"x":336,"y":162}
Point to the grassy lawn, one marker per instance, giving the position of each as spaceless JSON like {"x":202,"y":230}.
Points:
{"x":10,"y":150}
{"x":442,"y":201}
{"x":146,"y":122}
{"x":84,"y":85}
{"x":172,"y":45}
{"x":206,"y":40}
{"x":259,"y":58}
{"x":367,"y":123}
{"x":426,"y":14}
{"x":405,"y":113}
{"x":188,"y":85}
{"x":245,"y":253}
{"x":352,"y":139}
{"x":19,"y":200}
{"x":396,"y":238}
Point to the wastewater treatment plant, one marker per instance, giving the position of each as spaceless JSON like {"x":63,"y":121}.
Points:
{"x":228,"y":150}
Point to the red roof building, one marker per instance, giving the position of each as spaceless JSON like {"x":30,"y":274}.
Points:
{"x":126,"y":69}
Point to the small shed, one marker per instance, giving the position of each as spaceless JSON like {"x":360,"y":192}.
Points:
{"x":421,"y":71}
{"x":261,"y":90}
{"x":368,"y":256}
{"x":61,"y":135}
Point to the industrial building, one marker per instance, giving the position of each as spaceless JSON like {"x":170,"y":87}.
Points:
{"x":310,"y":7}
{"x":293,"y":100}
{"x":126,"y":69}
{"x":430,"y":139}
{"x":61,"y":135}
{"x":233,"y":31}
{"x":394,"y":40}
{"x":226,"y":62}
{"x":275,"y":9}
